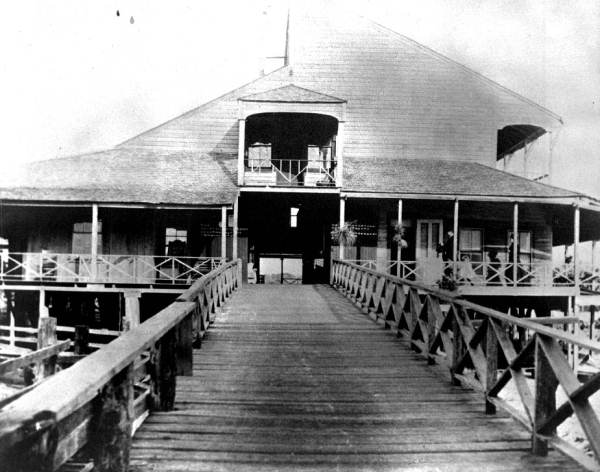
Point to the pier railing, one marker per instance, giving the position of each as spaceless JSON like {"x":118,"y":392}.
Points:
{"x":475,"y":344}
{"x":94,"y":407}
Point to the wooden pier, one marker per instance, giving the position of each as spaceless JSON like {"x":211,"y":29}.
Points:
{"x":298,"y":378}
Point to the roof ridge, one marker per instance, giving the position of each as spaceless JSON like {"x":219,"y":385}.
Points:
{"x":464,"y":68}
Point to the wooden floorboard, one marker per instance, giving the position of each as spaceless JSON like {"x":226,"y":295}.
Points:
{"x":297,"y":378}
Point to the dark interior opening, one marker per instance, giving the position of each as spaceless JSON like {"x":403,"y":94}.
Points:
{"x":514,"y":137}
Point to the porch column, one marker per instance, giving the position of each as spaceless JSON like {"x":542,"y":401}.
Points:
{"x":398,"y":271}
{"x":381,"y":251}
{"x":515,"y":259}
{"x":342,"y":220}
{"x":455,"y":238}
{"x":339,"y":156}
{"x":43,"y":309}
{"x":241,"y":149}
{"x":224,"y":233}
{"x":94,"y":241}
{"x":235,"y":229}
{"x":575,"y":248}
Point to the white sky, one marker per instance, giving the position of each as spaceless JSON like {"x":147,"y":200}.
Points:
{"x":75,"y":77}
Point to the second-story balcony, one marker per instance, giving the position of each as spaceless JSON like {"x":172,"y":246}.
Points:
{"x":311,"y":172}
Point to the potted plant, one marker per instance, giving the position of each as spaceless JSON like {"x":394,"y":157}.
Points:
{"x":345,"y":234}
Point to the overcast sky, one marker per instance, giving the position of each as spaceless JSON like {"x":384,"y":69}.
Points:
{"x":77,"y":77}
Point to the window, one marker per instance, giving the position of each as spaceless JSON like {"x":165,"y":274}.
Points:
{"x":524,"y":245}
{"x":471,"y":244}
{"x":82,"y":238}
{"x":175,"y":241}
{"x":294,"y":217}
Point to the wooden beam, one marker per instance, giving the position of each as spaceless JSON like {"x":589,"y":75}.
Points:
{"x":235,"y":228}
{"x":94,"y":242}
{"x":342,"y":221}
{"x":399,"y":242}
{"x":224,"y":232}
{"x":455,"y":239}
{"x":576,"y":229}
{"x":515,"y":242}
{"x":339,"y":155}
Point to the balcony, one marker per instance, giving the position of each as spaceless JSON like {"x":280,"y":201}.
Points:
{"x":60,"y":268}
{"x":316,"y":172}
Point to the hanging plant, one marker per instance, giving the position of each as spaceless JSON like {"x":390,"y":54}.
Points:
{"x":399,"y":231}
{"x":345,"y":235}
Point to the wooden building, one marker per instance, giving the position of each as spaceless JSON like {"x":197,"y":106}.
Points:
{"x":359,"y":124}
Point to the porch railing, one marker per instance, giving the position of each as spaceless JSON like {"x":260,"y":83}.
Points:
{"x":109,"y":268}
{"x":533,"y":274}
{"x":476,"y":344}
{"x":302,"y":172}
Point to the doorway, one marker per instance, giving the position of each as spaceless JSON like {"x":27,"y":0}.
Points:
{"x":430,"y":233}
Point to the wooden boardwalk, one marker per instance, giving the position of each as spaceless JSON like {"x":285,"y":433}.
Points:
{"x":297,"y":378}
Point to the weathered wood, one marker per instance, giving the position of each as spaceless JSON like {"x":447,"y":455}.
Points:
{"x":82,"y":339}
{"x":110,"y":428}
{"x":34,"y":357}
{"x":47,"y":337}
{"x":184,"y":350}
{"x":545,"y":398}
{"x":491,"y":357}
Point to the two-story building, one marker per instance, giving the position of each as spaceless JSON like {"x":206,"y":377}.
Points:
{"x":360,"y":124}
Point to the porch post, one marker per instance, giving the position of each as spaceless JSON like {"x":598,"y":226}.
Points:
{"x":515,"y":259}
{"x":339,"y":156}
{"x":241,"y":149}
{"x":94,"y":241}
{"x":43,"y":309}
{"x":575,"y":248}
{"x":398,"y":270}
{"x":224,"y":233}
{"x":235,"y":229}
{"x":342,"y":220}
{"x":381,"y":251}
{"x":132,"y":308}
{"x":455,"y":238}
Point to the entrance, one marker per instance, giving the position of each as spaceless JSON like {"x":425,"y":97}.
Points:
{"x":289,"y":235}
{"x":429,"y":263}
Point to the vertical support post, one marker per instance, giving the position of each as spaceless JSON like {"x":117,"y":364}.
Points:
{"x":82,"y":339}
{"x":111,"y":424}
{"x":515,"y":259}
{"x":183,"y":348}
{"x":224,"y":233}
{"x":593,"y":256}
{"x":342,"y":221}
{"x":381,"y":250}
{"x":47,"y":337}
{"x":339,"y":157}
{"x":455,"y":239}
{"x":457,"y":346}
{"x":234,"y":255}
{"x":545,"y":398}
{"x":575,"y":248}
{"x":132,"y":309}
{"x":491,"y":357}
{"x":399,"y":270}
{"x":94,"y":242}
{"x":12,"y":326}
{"x":241,"y":150}
{"x":43,"y":309}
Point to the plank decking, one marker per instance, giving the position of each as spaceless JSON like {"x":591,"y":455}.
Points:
{"x":297,"y":378}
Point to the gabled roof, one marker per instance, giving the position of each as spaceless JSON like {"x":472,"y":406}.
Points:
{"x":291,"y":94}
{"x":125,"y":175}
{"x":440,"y":177}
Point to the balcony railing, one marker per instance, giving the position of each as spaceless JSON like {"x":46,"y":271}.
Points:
{"x":117,"y":269}
{"x":533,"y":274}
{"x":285,"y":172}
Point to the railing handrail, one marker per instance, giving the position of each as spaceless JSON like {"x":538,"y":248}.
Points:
{"x":85,"y":379}
{"x":81,"y":254}
{"x":454,"y":298}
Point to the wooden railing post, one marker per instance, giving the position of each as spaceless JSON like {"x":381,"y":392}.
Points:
{"x":457,"y":346}
{"x":545,"y":398}
{"x":183,"y":348}
{"x":110,"y":427}
{"x":163,"y":370}
{"x":491,"y":356}
{"x":47,"y":337}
